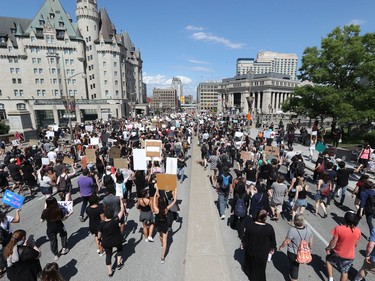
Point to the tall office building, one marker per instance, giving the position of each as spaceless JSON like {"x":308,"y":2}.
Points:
{"x":54,"y":69}
{"x":164,"y":99}
{"x":208,"y":96}
{"x":269,"y":62}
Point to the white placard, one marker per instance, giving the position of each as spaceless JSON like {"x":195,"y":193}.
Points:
{"x":112,"y":140}
{"x":171,"y":166}
{"x":153,"y":148}
{"x":45,"y":161}
{"x":119,"y":191}
{"x":139,"y":158}
{"x":66,"y":206}
{"x":50,"y":134}
{"x":89,"y":128}
{"x":15,"y":143}
{"x":314,"y":133}
{"x":267,"y":134}
{"x":94,"y":141}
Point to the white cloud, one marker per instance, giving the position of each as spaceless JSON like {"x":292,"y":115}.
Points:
{"x":198,"y":61}
{"x":157,"y":79}
{"x":357,"y":22}
{"x":194,"y":28}
{"x":198,"y":68}
{"x":185,"y":80}
{"x":207,"y":37}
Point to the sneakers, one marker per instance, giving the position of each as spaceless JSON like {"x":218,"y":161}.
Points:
{"x":162,"y":260}
{"x":222,"y":217}
{"x":81,"y":219}
{"x":56,"y":258}
{"x":64,"y":251}
{"x":101,"y":254}
{"x":120,"y":266}
{"x":150,"y":239}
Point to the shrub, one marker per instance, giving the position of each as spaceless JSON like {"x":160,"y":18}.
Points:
{"x":370,"y":138}
{"x":4,"y":129}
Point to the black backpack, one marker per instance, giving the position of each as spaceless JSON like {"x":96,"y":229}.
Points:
{"x":300,"y":168}
{"x":204,"y":149}
{"x":370,"y":205}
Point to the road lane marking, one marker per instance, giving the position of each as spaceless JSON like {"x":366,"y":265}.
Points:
{"x":316,"y":233}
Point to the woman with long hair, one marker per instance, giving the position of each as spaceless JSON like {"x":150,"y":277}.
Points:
{"x":300,"y":198}
{"x":322,"y":192}
{"x":64,"y":184}
{"x":144,"y":206}
{"x":22,"y":258}
{"x":28,"y":175}
{"x":110,"y":236}
{"x":161,"y":209}
{"x":45,"y":182}
{"x":51,"y":272}
{"x":54,"y":215}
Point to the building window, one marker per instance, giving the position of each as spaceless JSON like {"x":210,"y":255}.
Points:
{"x":106,"y":93}
{"x":104,"y":63}
{"x":57,"y":93}
{"x":12,"y":70}
{"x":105,"y":82}
{"x":21,"y":106}
{"x":40,"y":70}
{"x":14,"y":80}
{"x":18,"y":93}
{"x":105,"y":73}
{"x":41,"y":22}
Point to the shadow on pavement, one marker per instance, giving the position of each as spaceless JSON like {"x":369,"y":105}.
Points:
{"x":69,"y":270}
{"x":129,"y":249}
{"x":77,"y":236}
{"x":41,"y":240}
{"x":319,"y":266}
{"x":281,"y":263}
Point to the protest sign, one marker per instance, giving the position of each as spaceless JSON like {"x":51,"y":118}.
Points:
{"x":69,"y":161}
{"x":94,"y":141}
{"x":166,"y":181}
{"x":115,"y":152}
{"x":121,"y":163}
{"x":271,"y":150}
{"x":139,"y":158}
{"x":15,"y":142}
{"x":246,"y":155}
{"x":153,"y":148}
{"x":33,"y":142}
{"x":12,"y":199}
{"x":90,"y":155}
{"x":66,"y":206}
{"x":45,"y":161}
{"x":171,"y":166}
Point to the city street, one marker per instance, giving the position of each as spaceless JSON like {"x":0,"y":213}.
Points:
{"x":142,"y":259}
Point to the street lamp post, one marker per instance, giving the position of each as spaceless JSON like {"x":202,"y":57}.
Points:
{"x":70,"y":103}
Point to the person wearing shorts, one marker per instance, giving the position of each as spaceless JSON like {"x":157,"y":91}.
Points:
{"x":341,"y":249}
{"x":369,"y":262}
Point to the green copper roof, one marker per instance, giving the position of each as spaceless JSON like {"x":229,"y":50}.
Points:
{"x":53,"y":13}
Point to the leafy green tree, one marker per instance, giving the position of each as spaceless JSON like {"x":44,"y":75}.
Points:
{"x":4,"y":129}
{"x":342,"y":71}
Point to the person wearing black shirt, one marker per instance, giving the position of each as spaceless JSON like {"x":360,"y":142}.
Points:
{"x":342,"y":181}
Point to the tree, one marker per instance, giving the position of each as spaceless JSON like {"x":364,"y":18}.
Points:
{"x":4,"y":129}
{"x":343,"y":73}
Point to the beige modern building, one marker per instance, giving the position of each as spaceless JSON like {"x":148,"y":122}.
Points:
{"x":268,"y":62}
{"x":50,"y":61}
{"x":164,"y":100}
{"x":256,"y":94}
{"x":208,"y":96}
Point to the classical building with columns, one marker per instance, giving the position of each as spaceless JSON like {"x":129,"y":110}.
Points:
{"x":255,"y":93}
{"x":54,"y":69}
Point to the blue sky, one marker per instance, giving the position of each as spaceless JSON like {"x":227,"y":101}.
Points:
{"x":200,"y":40}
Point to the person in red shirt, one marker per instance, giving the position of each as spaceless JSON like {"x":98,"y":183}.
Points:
{"x":341,"y":249}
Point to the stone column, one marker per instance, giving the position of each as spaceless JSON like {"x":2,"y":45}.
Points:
{"x":55,"y":114}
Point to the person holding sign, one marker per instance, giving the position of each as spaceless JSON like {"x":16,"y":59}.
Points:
{"x":54,"y":215}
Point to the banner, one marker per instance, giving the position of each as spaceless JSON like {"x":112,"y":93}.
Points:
{"x":12,"y":199}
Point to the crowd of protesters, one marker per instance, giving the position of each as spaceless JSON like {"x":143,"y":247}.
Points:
{"x":245,"y":176}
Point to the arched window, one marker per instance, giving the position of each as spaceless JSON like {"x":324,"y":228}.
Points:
{"x":3,"y":114}
{"x":21,"y":106}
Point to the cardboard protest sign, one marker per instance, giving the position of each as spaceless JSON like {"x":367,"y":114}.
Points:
{"x":166,"y":181}
{"x":66,"y":206}
{"x":69,"y":161}
{"x":115,"y":152}
{"x":271,"y":150}
{"x":171,"y":166}
{"x":33,"y":142}
{"x":121,"y":163}
{"x":90,"y":155}
{"x":139,"y":158}
{"x":246,"y":155}
{"x":153,"y":148}
{"x":94,"y":141}
{"x":12,"y":199}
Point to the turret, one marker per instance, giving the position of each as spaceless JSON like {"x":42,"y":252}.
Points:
{"x":88,"y":18}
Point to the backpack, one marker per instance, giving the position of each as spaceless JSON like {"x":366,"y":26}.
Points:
{"x":4,"y":235}
{"x":108,"y":181}
{"x":225,"y":183}
{"x":63,"y":184}
{"x":240,"y":208}
{"x":370,"y":205}
{"x":300,"y":168}
{"x":304,"y":251}
{"x":321,"y":168}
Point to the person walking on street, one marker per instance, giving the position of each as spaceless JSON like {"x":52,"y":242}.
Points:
{"x":258,"y":242}
{"x":322,"y":192}
{"x":85,"y":184}
{"x":341,"y":248}
{"x":300,"y":201}
{"x":224,"y":183}
{"x":277,"y":194}
{"x":342,"y":181}
{"x":367,"y":205}
{"x":369,"y":262}
{"x":293,"y":239}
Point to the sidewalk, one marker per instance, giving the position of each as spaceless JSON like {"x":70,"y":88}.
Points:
{"x":205,"y":255}
{"x":310,"y":165}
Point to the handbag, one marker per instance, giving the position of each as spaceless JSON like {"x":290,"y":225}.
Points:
{"x":326,"y":191}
